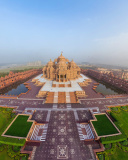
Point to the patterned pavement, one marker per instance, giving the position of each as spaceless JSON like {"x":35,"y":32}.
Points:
{"x":88,"y":103}
{"x":62,"y":141}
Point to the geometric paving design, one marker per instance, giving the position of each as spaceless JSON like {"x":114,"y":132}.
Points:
{"x":62,"y":130}
{"x":62,"y":152}
{"x":62,"y":140}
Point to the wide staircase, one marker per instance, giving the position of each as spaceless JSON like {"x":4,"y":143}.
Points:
{"x":61,"y":97}
{"x":73,"y":98}
{"x":35,"y":135}
{"x":85,"y":132}
{"x":50,"y":97}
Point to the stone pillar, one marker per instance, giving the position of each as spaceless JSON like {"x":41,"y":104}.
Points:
{"x":56,"y":77}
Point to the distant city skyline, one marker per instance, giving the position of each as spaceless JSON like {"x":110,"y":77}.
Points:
{"x":86,"y":31}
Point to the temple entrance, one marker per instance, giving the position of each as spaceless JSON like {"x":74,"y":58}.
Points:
{"x":61,"y":77}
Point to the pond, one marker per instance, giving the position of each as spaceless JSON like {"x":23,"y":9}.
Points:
{"x":18,"y":90}
{"x":106,"y":90}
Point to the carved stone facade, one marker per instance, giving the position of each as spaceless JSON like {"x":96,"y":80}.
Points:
{"x":61,"y":70}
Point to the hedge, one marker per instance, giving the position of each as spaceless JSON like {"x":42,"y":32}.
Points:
{"x":114,"y":139}
{"x":101,"y":156}
{"x":12,"y":141}
{"x":124,"y":148}
{"x":107,"y":152}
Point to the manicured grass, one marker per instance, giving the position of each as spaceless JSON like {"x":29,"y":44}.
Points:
{"x":20,"y":127}
{"x":103,"y":125}
{"x":122,"y":120}
{"x":4,"y":155}
{"x":119,"y":155}
{"x":3,"y":119}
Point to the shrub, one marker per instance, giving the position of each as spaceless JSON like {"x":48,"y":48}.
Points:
{"x":115,"y":109}
{"x":101,"y":156}
{"x":17,"y":158}
{"x":107,"y":146}
{"x":16,"y":148}
{"x":124,"y":148}
{"x":9,"y":109}
{"x":124,"y":143}
{"x":24,"y":157}
{"x":124,"y":108}
{"x":2,"y":148}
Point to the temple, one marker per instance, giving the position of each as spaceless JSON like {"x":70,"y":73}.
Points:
{"x":61,"y":70}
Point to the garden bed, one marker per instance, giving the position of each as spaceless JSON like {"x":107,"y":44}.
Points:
{"x":103,"y":126}
{"x":20,"y":127}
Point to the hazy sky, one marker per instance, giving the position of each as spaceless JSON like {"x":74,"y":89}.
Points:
{"x":85,"y":30}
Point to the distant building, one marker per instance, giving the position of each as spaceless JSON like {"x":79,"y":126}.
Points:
{"x":103,"y":70}
{"x":122,"y":74}
{"x":36,"y":63}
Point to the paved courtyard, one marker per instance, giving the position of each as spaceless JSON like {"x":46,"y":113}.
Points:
{"x":62,"y":141}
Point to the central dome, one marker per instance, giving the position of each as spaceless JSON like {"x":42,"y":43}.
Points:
{"x":61,"y":58}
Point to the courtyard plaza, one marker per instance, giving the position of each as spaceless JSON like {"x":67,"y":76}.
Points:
{"x":62,"y":141}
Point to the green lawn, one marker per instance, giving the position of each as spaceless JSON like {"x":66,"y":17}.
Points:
{"x":119,"y":155}
{"x":3,"y":120}
{"x":4,"y":155}
{"x":103,"y":125}
{"x":122,"y":120}
{"x":20,"y":127}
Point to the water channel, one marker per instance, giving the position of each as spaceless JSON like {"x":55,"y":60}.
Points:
{"x":18,"y":90}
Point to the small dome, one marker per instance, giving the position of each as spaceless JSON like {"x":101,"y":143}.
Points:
{"x":50,"y":63}
{"x":62,"y":64}
{"x":73,"y":63}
